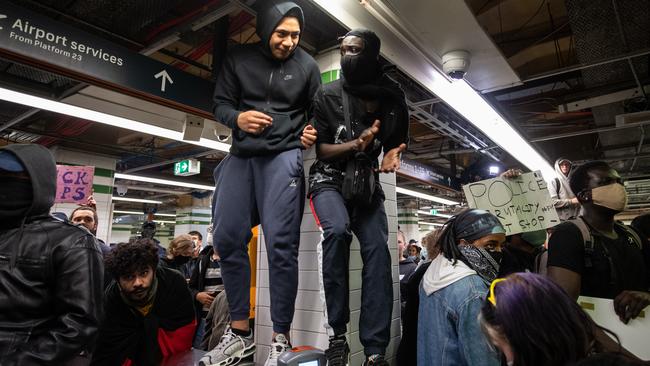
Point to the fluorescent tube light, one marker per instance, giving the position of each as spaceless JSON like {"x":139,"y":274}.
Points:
{"x":428,"y":197}
{"x":460,"y":96}
{"x":430,"y":223}
{"x":164,"y":222}
{"x":438,"y":214}
{"x":141,"y":213}
{"x":108,"y":119}
{"x":127,"y":199}
{"x":167,"y":182}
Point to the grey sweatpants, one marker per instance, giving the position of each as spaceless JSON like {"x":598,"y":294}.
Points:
{"x":266,"y":190}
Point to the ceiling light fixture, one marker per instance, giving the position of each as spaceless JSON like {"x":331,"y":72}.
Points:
{"x":164,"y":222}
{"x":142,"y":213}
{"x":108,"y":119}
{"x":428,"y":197}
{"x":127,"y":199}
{"x":167,"y":182}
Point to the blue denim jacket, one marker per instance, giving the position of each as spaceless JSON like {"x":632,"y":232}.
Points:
{"x":449,"y":333}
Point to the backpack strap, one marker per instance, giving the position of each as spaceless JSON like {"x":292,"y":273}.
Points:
{"x":557,"y":187}
{"x":345,"y":99}
{"x":541,"y":262}
{"x":587,"y":239}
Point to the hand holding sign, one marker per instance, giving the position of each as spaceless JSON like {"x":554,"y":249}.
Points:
{"x":521,"y":203}
{"x":73,"y":183}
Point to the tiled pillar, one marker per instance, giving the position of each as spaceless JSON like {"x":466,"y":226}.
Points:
{"x":193,"y":219}
{"x":102,"y":186}
{"x":121,"y":233}
{"x":408,"y":222}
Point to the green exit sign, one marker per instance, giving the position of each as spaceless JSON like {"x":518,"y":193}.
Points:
{"x":434,"y":212}
{"x":187,"y":167}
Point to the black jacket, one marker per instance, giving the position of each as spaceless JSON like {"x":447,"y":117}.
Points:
{"x":407,"y":351}
{"x":197,"y":281}
{"x":167,"y":329}
{"x":51,"y":277}
{"x":251,"y":79}
{"x":329,"y":121}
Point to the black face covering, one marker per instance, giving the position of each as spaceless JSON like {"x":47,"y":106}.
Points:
{"x":359,"y":69}
{"x":16,"y":197}
{"x":364,"y":67}
{"x":181,"y":260}
{"x":485,"y":263}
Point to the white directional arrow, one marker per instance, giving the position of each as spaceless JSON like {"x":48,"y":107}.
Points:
{"x":2,"y":16}
{"x":165,"y":78}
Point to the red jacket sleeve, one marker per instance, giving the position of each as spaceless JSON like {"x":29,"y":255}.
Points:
{"x":175,"y":341}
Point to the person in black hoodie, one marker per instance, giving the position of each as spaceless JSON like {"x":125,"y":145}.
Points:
{"x":263,"y":93}
{"x":376,"y":118}
{"x":51,"y":272}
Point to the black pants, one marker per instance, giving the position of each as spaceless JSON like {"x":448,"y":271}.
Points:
{"x":267,"y":190}
{"x":338,"y":221}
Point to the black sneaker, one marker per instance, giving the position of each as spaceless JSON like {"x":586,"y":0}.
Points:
{"x":338,"y":353}
{"x":375,"y":360}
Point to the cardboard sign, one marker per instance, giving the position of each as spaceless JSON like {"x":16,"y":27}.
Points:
{"x":74,"y":183}
{"x":522,"y":204}
{"x":633,"y":335}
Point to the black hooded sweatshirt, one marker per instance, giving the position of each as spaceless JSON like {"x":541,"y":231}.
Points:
{"x":51,"y":276}
{"x":252,"y":79}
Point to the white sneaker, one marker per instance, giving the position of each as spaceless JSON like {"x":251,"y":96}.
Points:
{"x":279,"y":344}
{"x":231,"y":349}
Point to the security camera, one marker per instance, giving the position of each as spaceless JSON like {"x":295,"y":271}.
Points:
{"x":455,"y":63}
{"x":121,"y":189}
{"x":222,"y":133}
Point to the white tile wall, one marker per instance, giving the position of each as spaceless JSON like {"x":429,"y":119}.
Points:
{"x":308,"y":324}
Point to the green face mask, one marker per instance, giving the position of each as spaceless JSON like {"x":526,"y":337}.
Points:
{"x":535,"y":238}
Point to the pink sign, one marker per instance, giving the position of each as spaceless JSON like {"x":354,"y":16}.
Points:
{"x":74,"y":183}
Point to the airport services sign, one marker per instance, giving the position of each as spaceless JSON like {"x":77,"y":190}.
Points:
{"x":43,"y":42}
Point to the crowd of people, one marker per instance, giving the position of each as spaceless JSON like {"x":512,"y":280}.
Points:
{"x":470,"y":294}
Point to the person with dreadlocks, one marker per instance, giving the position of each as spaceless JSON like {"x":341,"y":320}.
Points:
{"x":453,"y":290}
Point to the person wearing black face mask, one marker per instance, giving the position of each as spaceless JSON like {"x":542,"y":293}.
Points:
{"x":356,"y":118}
{"x":612,"y":266}
{"x":181,"y":250}
{"x":43,"y":261}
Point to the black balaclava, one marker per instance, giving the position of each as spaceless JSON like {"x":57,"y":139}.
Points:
{"x":363,"y":68}
{"x":21,"y":199}
{"x":16,"y":197}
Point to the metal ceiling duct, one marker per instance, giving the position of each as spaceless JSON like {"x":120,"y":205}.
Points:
{"x":604,"y":29}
